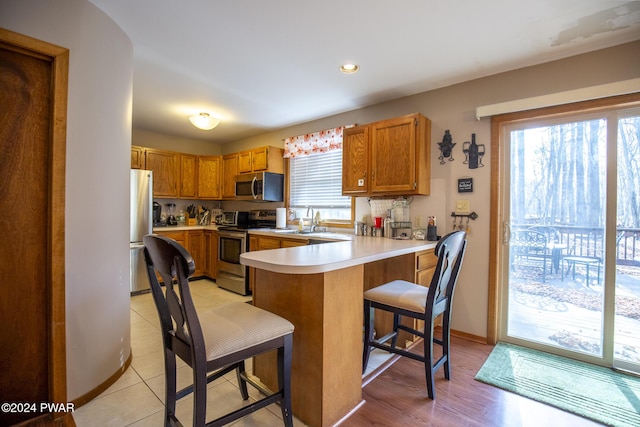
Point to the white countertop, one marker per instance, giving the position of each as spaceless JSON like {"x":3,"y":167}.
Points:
{"x":292,"y":234}
{"x":321,"y":258}
{"x":185,"y":227}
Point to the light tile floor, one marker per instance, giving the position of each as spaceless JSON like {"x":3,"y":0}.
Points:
{"x":137,"y":398}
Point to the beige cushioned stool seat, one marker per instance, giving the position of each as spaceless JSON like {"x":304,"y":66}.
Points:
{"x":237,"y":326}
{"x":400,"y":293}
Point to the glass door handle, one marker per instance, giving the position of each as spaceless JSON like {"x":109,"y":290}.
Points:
{"x":506,"y":233}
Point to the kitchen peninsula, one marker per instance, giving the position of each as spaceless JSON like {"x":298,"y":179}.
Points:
{"x":319,"y":288}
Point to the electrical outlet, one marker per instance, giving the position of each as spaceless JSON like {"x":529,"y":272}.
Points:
{"x":418,"y":221}
{"x":462,"y":206}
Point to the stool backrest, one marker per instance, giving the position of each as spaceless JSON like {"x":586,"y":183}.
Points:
{"x":179,"y":322}
{"x":450,"y":252}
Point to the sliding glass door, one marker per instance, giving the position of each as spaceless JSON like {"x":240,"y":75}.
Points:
{"x":626,"y":340}
{"x":570,"y":263}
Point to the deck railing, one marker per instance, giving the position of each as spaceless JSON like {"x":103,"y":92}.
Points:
{"x":589,"y":242}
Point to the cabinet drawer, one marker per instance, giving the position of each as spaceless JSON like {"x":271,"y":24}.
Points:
{"x":426,"y":259}
{"x":178,"y":236}
{"x":265,"y":243}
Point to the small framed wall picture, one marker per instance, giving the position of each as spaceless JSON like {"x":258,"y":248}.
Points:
{"x":465,"y":185}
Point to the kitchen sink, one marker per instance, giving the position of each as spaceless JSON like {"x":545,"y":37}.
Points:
{"x":316,"y":234}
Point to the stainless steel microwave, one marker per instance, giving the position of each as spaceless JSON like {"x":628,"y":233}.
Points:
{"x":260,"y":187}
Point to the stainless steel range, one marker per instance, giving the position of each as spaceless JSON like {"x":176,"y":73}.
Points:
{"x":233,"y":241}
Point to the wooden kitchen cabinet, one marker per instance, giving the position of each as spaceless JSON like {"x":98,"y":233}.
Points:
{"x":425,"y":267}
{"x":137,"y":157}
{"x":262,"y":243}
{"x":188,"y":175}
{"x":229,"y":172}
{"x":211,"y":253}
{"x":291,"y":243}
{"x":265,"y":243}
{"x":355,"y":160}
{"x":209,"y":175}
{"x":166,"y":171}
{"x":262,"y":159}
{"x":195,"y":246}
{"x":177,"y":235}
{"x":389,"y":157}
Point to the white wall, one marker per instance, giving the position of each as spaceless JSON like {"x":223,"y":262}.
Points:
{"x":97,"y":180}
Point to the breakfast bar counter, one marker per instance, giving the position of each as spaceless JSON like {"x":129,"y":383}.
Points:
{"x":319,"y":288}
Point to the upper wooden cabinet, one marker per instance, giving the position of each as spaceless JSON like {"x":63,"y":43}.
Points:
{"x":389,"y":157}
{"x":166,"y":171}
{"x":137,"y":157}
{"x":209,"y":175}
{"x":229,"y":172}
{"x":262,"y":159}
{"x":188,"y":175}
{"x":355,"y":160}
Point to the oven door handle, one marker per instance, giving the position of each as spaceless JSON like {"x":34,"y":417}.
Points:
{"x":254,"y":190}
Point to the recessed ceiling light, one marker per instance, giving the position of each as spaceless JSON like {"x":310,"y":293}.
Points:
{"x":349,"y":68}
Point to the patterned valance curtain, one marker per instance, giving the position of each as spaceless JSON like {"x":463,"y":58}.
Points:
{"x":314,"y":143}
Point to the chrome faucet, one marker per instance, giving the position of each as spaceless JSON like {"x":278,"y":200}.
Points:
{"x":312,"y":226}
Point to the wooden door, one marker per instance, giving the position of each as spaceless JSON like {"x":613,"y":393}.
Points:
{"x":229,"y":172}
{"x":137,"y":157}
{"x":211,"y":253}
{"x":166,"y":171}
{"x":244,"y":162}
{"x":195,"y":241}
{"x":393,"y":156}
{"x":260,"y":159}
{"x":209,"y":173}
{"x":355,"y":160}
{"x":33,"y":93}
{"x":188,"y":176}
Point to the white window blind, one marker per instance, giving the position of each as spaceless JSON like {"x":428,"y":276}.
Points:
{"x":316,"y":181}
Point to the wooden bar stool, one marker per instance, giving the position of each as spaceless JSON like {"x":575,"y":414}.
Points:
{"x":214,"y":342}
{"x":403,"y":298}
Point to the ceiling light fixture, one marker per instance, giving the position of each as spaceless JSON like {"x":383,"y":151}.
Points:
{"x":349,"y":68}
{"x":204,"y":121}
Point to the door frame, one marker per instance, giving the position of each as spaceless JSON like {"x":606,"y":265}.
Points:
{"x":55,"y":286}
{"x":496,"y":230}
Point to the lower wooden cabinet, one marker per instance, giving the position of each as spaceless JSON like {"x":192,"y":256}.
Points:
{"x":203,"y":247}
{"x":425,"y":267}
{"x":177,"y":235}
{"x":261,"y":243}
{"x":211,"y":253}
{"x":195,"y":246}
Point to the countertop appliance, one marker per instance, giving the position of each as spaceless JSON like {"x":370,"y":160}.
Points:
{"x":234,"y":219}
{"x":157,"y":215}
{"x":260,"y":187}
{"x":233,"y":241}
{"x":141,"y":208}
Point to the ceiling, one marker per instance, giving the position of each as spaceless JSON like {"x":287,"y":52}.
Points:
{"x":264,"y":65}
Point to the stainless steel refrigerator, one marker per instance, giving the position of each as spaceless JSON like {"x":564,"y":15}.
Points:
{"x":141,"y":225}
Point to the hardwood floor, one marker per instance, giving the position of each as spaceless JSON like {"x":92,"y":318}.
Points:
{"x":398,"y":397}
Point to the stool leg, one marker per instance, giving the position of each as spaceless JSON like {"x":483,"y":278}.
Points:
{"x":240,"y":369}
